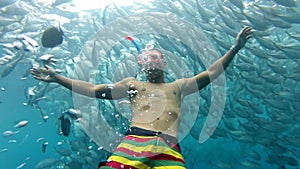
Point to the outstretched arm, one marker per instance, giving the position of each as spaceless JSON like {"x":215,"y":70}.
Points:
{"x":204,"y":78}
{"x":104,"y":91}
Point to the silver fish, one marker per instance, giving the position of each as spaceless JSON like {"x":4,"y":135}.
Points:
{"x":267,"y":42}
{"x":47,"y":163}
{"x":11,"y":66}
{"x":28,"y":39}
{"x":251,"y":164}
{"x":60,"y":2}
{"x":237,"y":3}
{"x":3,"y":150}
{"x":278,"y":22}
{"x":19,"y":8}
{"x":39,"y":140}
{"x":287,"y":3}
{"x":44,"y":114}
{"x":295,"y":36}
{"x":47,"y":59}
{"x":21,"y":124}
{"x":63,"y":151}
{"x":95,"y":55}
{"x":206,"y":14}
{"x":8,"y":133}
{"x":6,"y":3}
{"x":21,"y":166}
{"x":257,"y":20}
{"x":291,"y":15}
{"x":36,"y":93}
{"x":228,"y":20}
{"x":8,"y":19}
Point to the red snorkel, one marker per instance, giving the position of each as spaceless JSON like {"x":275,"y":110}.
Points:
{"x":137,"y":46}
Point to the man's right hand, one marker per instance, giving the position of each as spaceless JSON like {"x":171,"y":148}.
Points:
{"x":46,"y":74}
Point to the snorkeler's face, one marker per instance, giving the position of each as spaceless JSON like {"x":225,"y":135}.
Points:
{"x":152,"y":59}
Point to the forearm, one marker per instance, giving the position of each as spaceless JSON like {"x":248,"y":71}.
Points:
{"x":204,"y":78}
{"x":78,"y":86}
{"x":221,"y":64}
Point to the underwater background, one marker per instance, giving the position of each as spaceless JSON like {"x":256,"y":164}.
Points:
{"x":249,"y":118}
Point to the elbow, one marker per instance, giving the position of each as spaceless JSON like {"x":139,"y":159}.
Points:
{"x":212,"y":75}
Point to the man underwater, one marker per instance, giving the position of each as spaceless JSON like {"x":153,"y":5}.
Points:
{"x":151,"y":141}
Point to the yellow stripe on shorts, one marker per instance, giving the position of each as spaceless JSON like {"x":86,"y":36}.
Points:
{"x":122,"y":160}
{"x":151,"y":148}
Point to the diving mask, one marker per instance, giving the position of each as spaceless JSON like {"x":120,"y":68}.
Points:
{"x":153,"y":56}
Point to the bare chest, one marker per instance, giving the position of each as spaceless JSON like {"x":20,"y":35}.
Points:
{"x":155,"y":100}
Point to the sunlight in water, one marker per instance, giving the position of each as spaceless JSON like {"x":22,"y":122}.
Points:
{"x":93,"y":4}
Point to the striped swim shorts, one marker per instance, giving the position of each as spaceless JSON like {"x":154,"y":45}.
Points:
{"x":145,"y":149}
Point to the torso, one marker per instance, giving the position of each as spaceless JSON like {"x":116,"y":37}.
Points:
{"x":155,"y":106}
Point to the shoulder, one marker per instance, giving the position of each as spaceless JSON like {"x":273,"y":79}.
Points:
{"x":127,"y":82}
{"x":176,"y":85}
{"x":181,"y":82}
{"x":131,"y":79}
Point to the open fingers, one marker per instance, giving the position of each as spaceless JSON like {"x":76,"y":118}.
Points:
{"x":38,"y":77}
{"x":38,"y":71}
{"x":249,"y":36}
{"x":47,"y":67}
{"x":246,"y":33}
{"x":247,"y":30}
{"x":35,"y":71}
